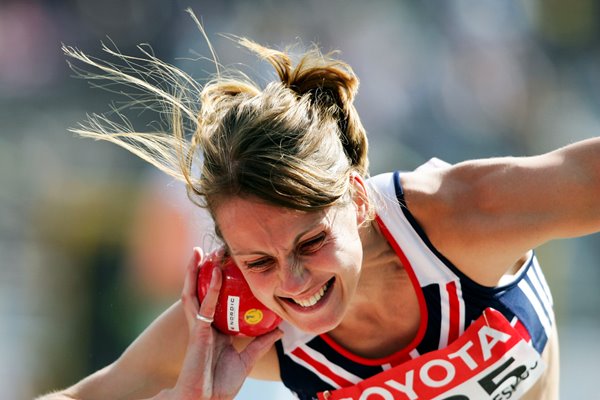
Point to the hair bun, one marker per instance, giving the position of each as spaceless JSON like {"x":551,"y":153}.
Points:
{"x":331,"y":85}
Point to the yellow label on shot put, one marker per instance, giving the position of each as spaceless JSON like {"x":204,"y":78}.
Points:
{"x":253,"y":316}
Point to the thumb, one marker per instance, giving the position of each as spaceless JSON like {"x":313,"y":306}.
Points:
{"x":259,"y":347}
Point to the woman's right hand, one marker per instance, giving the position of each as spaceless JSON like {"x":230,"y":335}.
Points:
{"x":212,"y":367}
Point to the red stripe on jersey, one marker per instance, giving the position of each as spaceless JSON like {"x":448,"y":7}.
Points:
{"x":454,"y":323}
{"x":321,"y":368}
{"x":519,"y":327}
{"x":402,"y":355}
{"x":400,"y":360}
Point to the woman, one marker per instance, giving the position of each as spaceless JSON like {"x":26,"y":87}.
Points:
{"x":424,"y":281}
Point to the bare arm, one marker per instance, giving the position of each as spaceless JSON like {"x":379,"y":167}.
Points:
{"x":177,"y":356}
{"x":151,"y":362}
{"x":497,"y":209}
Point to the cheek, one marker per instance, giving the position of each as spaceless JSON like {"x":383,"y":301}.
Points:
{"x":351,"y":260}
{"x":347,"y":228}
{"x":349,"y":247}
{"x":261,"y":285}
{"x":341,"y":258}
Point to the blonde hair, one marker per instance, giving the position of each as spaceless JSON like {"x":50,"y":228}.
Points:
{"x":293,"y":143}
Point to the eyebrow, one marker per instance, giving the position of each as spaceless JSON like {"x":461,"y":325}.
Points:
{"x":295,"y":242}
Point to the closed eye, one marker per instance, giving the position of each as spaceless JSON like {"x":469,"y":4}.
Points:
{"x":313,"y":244}
{"x":307,"y":247}
{"x":260,"y":264}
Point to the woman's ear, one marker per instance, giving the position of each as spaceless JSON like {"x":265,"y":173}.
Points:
{"x":360,"y":198}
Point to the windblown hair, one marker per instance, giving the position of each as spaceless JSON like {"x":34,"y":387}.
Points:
{"x":293,"y":143}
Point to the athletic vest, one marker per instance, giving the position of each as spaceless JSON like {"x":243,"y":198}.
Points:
{"x":450,"y":302}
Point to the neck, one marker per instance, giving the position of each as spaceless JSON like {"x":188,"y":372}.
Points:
{"x":385,"y":301}
{"x":377,"y":252}
{"x":381,"y":277}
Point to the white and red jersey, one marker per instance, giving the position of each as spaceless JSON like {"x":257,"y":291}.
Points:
{"x":450,"y":302}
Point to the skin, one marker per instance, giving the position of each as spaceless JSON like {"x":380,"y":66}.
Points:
{"x":287,"y":255}
{"x":495,"y":209}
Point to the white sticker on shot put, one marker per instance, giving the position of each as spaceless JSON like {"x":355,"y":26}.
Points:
{"x":233,"y":308}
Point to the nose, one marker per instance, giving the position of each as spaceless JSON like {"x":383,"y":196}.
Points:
{"x":293,"y":277}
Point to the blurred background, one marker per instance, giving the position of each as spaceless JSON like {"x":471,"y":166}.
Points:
{"x":93,"y":241}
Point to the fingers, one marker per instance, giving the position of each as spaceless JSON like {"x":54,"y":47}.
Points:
{"x":209,"y":304}
{"x":200,"y":314}
{"x":259,"y":347}
{"x":189,"y":295}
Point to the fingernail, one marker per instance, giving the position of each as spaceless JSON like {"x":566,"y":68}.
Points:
{"x":213,"y":278}
{"x":198,"y":254}
{"x":279,"y":333}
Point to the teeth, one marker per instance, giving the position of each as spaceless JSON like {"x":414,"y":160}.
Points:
{"x":313,"y":299}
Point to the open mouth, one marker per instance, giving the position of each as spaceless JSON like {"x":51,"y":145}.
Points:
{"x":314,"y":299}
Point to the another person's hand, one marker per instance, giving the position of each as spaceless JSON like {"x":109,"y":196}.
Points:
{"x":212,"y":368}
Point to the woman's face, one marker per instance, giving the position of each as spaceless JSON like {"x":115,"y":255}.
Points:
{"x":303,"y":266}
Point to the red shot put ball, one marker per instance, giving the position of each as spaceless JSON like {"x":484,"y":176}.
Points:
{"x":238,"y":312}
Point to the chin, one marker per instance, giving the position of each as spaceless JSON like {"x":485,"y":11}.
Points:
{"x":324,"y":325}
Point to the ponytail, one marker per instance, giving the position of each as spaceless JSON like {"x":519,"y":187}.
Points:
{"x":331,"y":86}
{"x":294,"y":143}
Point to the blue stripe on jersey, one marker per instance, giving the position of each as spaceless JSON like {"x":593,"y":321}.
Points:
{"x":431,"y":338}
{"x":293,"y":372}
{"x":533,"y":280}
{"x":302,"y":382}
{"x":351,"y":366}
{"x":509,"y":299}
{"x":522,"y":308}
{"x":527,"y":298}
{"x":415,"y":225}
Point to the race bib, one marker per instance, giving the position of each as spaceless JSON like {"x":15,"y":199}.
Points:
{"x":491,"y":360}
